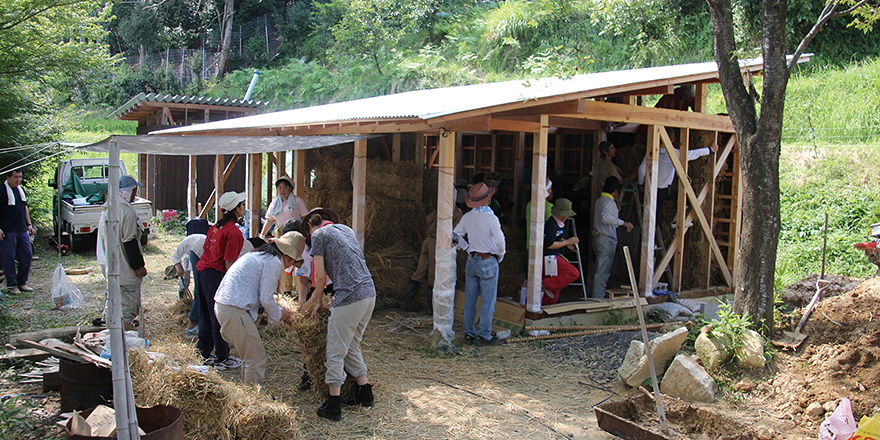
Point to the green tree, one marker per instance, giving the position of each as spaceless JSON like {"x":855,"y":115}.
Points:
{"x":759,"y":133}
{"x":371,"y":28}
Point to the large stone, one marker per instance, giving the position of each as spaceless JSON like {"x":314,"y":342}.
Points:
{"x":713,"y":348}
{"x":687,"y":380}
{"x":635,"y":369}
{"x":750,"y":354}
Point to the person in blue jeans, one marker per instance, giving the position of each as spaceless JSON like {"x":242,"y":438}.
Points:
{"x":605,"y":222}
{"x":480,"y":234}
{"x":15,"y":234}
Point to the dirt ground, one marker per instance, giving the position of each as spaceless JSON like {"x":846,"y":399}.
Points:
{"x":534,"y":390}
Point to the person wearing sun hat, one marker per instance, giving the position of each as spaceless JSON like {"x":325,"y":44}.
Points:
{"x":286,"y":206}
{"x":248,"y":285}
{"x":480,"y":234}
{"x":222,"y":247}
{"x":605,"y":224}
{"x":554,"y":241}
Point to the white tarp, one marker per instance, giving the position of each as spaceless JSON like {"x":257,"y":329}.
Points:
{"x":214,"y":145}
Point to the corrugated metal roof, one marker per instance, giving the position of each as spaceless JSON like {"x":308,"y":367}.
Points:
{"x":183,"y":99}
{"x":445,"y":102}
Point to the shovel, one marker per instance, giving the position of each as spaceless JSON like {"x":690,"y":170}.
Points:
{"x":793,"y":340}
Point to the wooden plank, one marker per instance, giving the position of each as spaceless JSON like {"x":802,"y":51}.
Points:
{"x":225,"y":176}
{"x":704,"y":224}
{"x":612,"y":112}
{"x":536,"y":232}
{"x":359,"y":183}
{"x":192,"y":191}
{"x":501,"y":124}
{"x":575,"y":106}
{"x":649,"y":210}
{"x":709,"y":209}
{"x":395,"y":147}
{"x":681,"y":209}
{"x":69,"y":352}
{"x":575,"y":123}
{"x":60,"y":332}
{"x":19,"y":356}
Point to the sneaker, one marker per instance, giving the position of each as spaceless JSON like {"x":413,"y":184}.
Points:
{"x":480,"y":342}
{"x":25,"y":288}
{"x":13,"y":291}
{"x":191,"y":333}
{"x":227,"y":364}
{"x":211,"y":361}
{"x":469,"y":340}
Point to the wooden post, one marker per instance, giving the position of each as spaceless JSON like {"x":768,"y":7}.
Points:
{"x":701,"y":92}
{"x":254,"y":196}
{"x":459,"y":165}
{"x":444,"y":261}
{"x":359,"y":183}
{"x":536,"y":234}
{"x":559,"y":154}
{"x":218,"y":185}
{"x":281,"y":164}
{"x":519,"y":152}
{"x":270,"y":162}
{"x":649,"y":212}
{"x":708,"y":209}
{"x":421,"y":151}
{"x":736,"y":217}
{"x":299,"y":172}
{"x":494,"y":156}
{"x":595,"y":191}
{"x":681,"y":209}
{"x":395,"y":147}
{"x":193,"y":193}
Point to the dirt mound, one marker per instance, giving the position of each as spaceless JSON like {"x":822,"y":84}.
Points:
{"x":801,"y":292}
{"x":840,"y":358}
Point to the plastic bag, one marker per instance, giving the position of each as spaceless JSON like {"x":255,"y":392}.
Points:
{"x":65,"y":294}
{"x":840,"y":424}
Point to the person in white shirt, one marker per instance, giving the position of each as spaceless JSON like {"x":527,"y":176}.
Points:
{"x":286,"y":206}
{"x":485,"y":245}
{"x":605,"y":223}
{"x":666,"y":172}
{"x":248,"y":285}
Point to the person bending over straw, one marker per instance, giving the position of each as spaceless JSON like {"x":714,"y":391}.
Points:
{"x":250,"y":283}
{"x":336,"y":252}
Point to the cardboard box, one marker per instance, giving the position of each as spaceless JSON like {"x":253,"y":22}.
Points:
{"x":508,"y":314}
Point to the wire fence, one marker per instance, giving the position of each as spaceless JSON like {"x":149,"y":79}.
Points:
{"x":832,"y":135}
{"x":255,"y":40}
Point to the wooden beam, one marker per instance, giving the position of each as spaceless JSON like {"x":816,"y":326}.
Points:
{"x":736,"y":228}
{"x":254,"y":191}
{"x":359,"y":184}
{"x":299,"y":173}
{"x":519,"y":147}
{"x":575,"y":106}
{"x":218,"y":185}
{"x":559,"y":153}
{"x":575,"y":123}
{"x":681,"y":209}
{"x":611,"y":112}
{"x":444,"y":261}
{"x":536,"y":234}
{"x":649,"y":210}
{"x":281,"y":164}
{"x":704,"y":224}
{"x":395,"y":147}
{"x":701,"y":93}
{"x":226,"y":173}
{"x":501,"y":124}
{"x":493,"y":158}
{"x":421,"y":151}
{"x":193,"y":192}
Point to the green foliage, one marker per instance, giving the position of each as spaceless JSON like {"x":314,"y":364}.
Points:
{"x":614,"y":317}
{"x":730,"y":324}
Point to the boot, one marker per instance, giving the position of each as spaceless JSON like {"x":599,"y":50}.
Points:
{"x":412,"y":288}
{"x":431,"y":300}
{"x":363,"y":397}
{"x":305,"y":382}
{"x":331,"y":409}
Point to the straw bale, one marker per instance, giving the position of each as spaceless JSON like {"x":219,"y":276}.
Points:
{"x":213,"y":408}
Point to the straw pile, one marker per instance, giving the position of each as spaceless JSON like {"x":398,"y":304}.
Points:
{"x":394,"y":218}
{"x":213,"y":408}
{"x":311,"y":337}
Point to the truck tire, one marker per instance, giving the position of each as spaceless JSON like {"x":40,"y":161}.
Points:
{"x":73,"y":242}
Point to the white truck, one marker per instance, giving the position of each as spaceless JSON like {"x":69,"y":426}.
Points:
{"x":83,"y":191}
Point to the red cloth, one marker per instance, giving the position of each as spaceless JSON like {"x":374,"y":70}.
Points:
{"x":566,"y":274}
{"x":221,"y":245}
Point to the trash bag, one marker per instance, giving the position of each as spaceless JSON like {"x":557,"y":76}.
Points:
{"x":65,"y":294}
{"x":840,"y":425}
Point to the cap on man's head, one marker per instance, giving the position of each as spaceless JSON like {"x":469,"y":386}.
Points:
{"x":230,"y":200}
{"x":128,"y":182}
{"x":611,"y":184}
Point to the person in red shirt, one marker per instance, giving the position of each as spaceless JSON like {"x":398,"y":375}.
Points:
{"x":222,"y":247}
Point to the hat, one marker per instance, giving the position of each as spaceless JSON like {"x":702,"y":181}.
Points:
{"x":493,"y":183}
{"x":562,"y":208}
{"x":230,"y":200}
{"x":461,"y":183}
{"x":284,"y":179}
{"x":292,"y":244}
{"x":128,"y":182}
{"x":246,"y":247}
{"x":479,"y":195}
{"x":326,"y":214}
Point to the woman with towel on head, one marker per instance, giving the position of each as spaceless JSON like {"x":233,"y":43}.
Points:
{"x":286,"y":206}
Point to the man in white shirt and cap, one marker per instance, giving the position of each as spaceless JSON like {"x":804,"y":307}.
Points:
{"x":479,"y":232}
{"x":605,"y":223}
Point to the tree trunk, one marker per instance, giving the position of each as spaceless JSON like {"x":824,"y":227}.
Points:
{"x":227,"y":38}
{"x":759,"y":140}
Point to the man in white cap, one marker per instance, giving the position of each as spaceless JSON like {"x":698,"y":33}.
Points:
{"x":485,"y":245}
{"x":132,"y":269}
{"x":15,"y":234}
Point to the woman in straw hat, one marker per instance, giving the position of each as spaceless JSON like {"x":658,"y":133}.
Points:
{"x":554,"y":241}
{"x":485,"y":246}
{"x":248,"y":285}
{"x":286,"y":206}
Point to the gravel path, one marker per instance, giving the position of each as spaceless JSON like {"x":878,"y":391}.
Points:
{"x":600,"y":355}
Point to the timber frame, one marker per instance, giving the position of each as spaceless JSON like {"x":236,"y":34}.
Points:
{"x":590,"y":114}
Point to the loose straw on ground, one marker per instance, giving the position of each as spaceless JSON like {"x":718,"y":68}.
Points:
{"x":610,"y":328}
{"x":599,"y":331}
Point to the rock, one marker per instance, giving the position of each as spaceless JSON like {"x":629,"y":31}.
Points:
{"x":830,"y":406}
{"x":687,"y":380}
{"x":743,"y":386}
{"x":713,"y":348}
{"x":815,"y":410}
{"x":635,"y":369}
{"x":764,"y":433}
{"x":751,"y":353}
